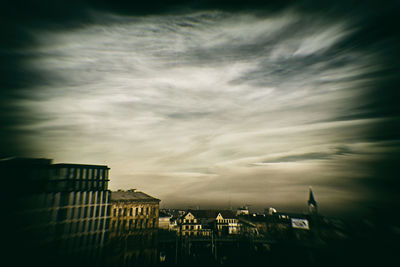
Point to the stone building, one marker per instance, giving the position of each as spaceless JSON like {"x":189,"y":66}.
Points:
{"x":133,"y":229}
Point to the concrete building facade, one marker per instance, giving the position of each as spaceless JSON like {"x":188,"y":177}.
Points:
{"x":61,"y":211}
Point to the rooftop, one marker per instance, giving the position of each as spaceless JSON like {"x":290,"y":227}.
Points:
{"x":72,"y":165}
{"x":131,"y":195}
{"x":226,"y":214}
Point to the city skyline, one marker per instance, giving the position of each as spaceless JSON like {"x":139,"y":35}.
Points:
{"x":212,"y":104}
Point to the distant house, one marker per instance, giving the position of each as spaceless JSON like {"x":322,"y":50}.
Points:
{"x":242,"y":211}
{"x":164,"y":220}
{"x":193,"y":223}
{"x":204,"y":222}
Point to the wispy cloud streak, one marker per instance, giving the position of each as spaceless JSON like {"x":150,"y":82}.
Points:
{"x":203,"y":101}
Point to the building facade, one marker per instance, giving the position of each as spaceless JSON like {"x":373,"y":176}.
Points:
{"x":205,"y":222}
{"x":133,"y":229}
{"x":61,"y":211}
{"x":83,"y":209}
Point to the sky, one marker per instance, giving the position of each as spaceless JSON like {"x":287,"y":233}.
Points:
{"x":205,"y":104}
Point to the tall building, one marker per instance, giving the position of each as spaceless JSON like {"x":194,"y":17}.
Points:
{"x":82,"y":203}
{"x":58,"y":213}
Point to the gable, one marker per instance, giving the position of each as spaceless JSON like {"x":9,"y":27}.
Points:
{"x":189,"y":216}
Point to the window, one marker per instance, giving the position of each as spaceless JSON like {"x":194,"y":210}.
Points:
{"x":124,"y":212}
{"x":115,"y":212}
{"x":136,"y":211}
{"x":63,"y":173}
{"x":90,"y":223}
{"x":147,"y":210}
{"x":71,"y":173}
{"x":120,"y":212}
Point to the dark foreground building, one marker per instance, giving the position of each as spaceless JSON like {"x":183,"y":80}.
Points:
{"x":58,"y":214}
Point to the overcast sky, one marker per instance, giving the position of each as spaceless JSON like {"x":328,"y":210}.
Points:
{"x":211,"y":105}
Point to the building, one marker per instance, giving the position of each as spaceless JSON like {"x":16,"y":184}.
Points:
{"x":312,"y":204}
{"x":227,"y":223}
{"x":164,"y":220}
{"x":195,"y":223}
{"x":133,"y":210}
{"x":242,"y":211}
{"x":59,"y":212}
{"x":82,"y":201}
{"x":205,"y":222}
{"x":133,"y":229}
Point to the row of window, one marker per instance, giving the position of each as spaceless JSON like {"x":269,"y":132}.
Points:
{"x":82,"y":173}
{"x":191,"y":227}
{"x":89,"y":185}
{"x":117,"y":225}
{"x":82,"y":212}
{"x":134,"y":211}
{"x":82,"y":241}
{"x":84,"y":197}
{"x":83,"y":226}
{"x":226,"y":220}
{"x":189,"y":221}
{"x":56,"y":199}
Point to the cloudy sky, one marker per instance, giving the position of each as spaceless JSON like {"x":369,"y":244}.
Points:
{"x":203,"y":104}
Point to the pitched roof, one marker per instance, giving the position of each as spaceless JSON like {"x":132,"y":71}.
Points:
{"x":227,"y":214}
{"x":311,"y":199}
{"x":212,"y":214}
{"x":132,"y":195}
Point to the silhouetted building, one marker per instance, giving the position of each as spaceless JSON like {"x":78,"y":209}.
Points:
{"x":60,"y":211}
{"x":82,"y":203}
{"x":312,"y":204}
